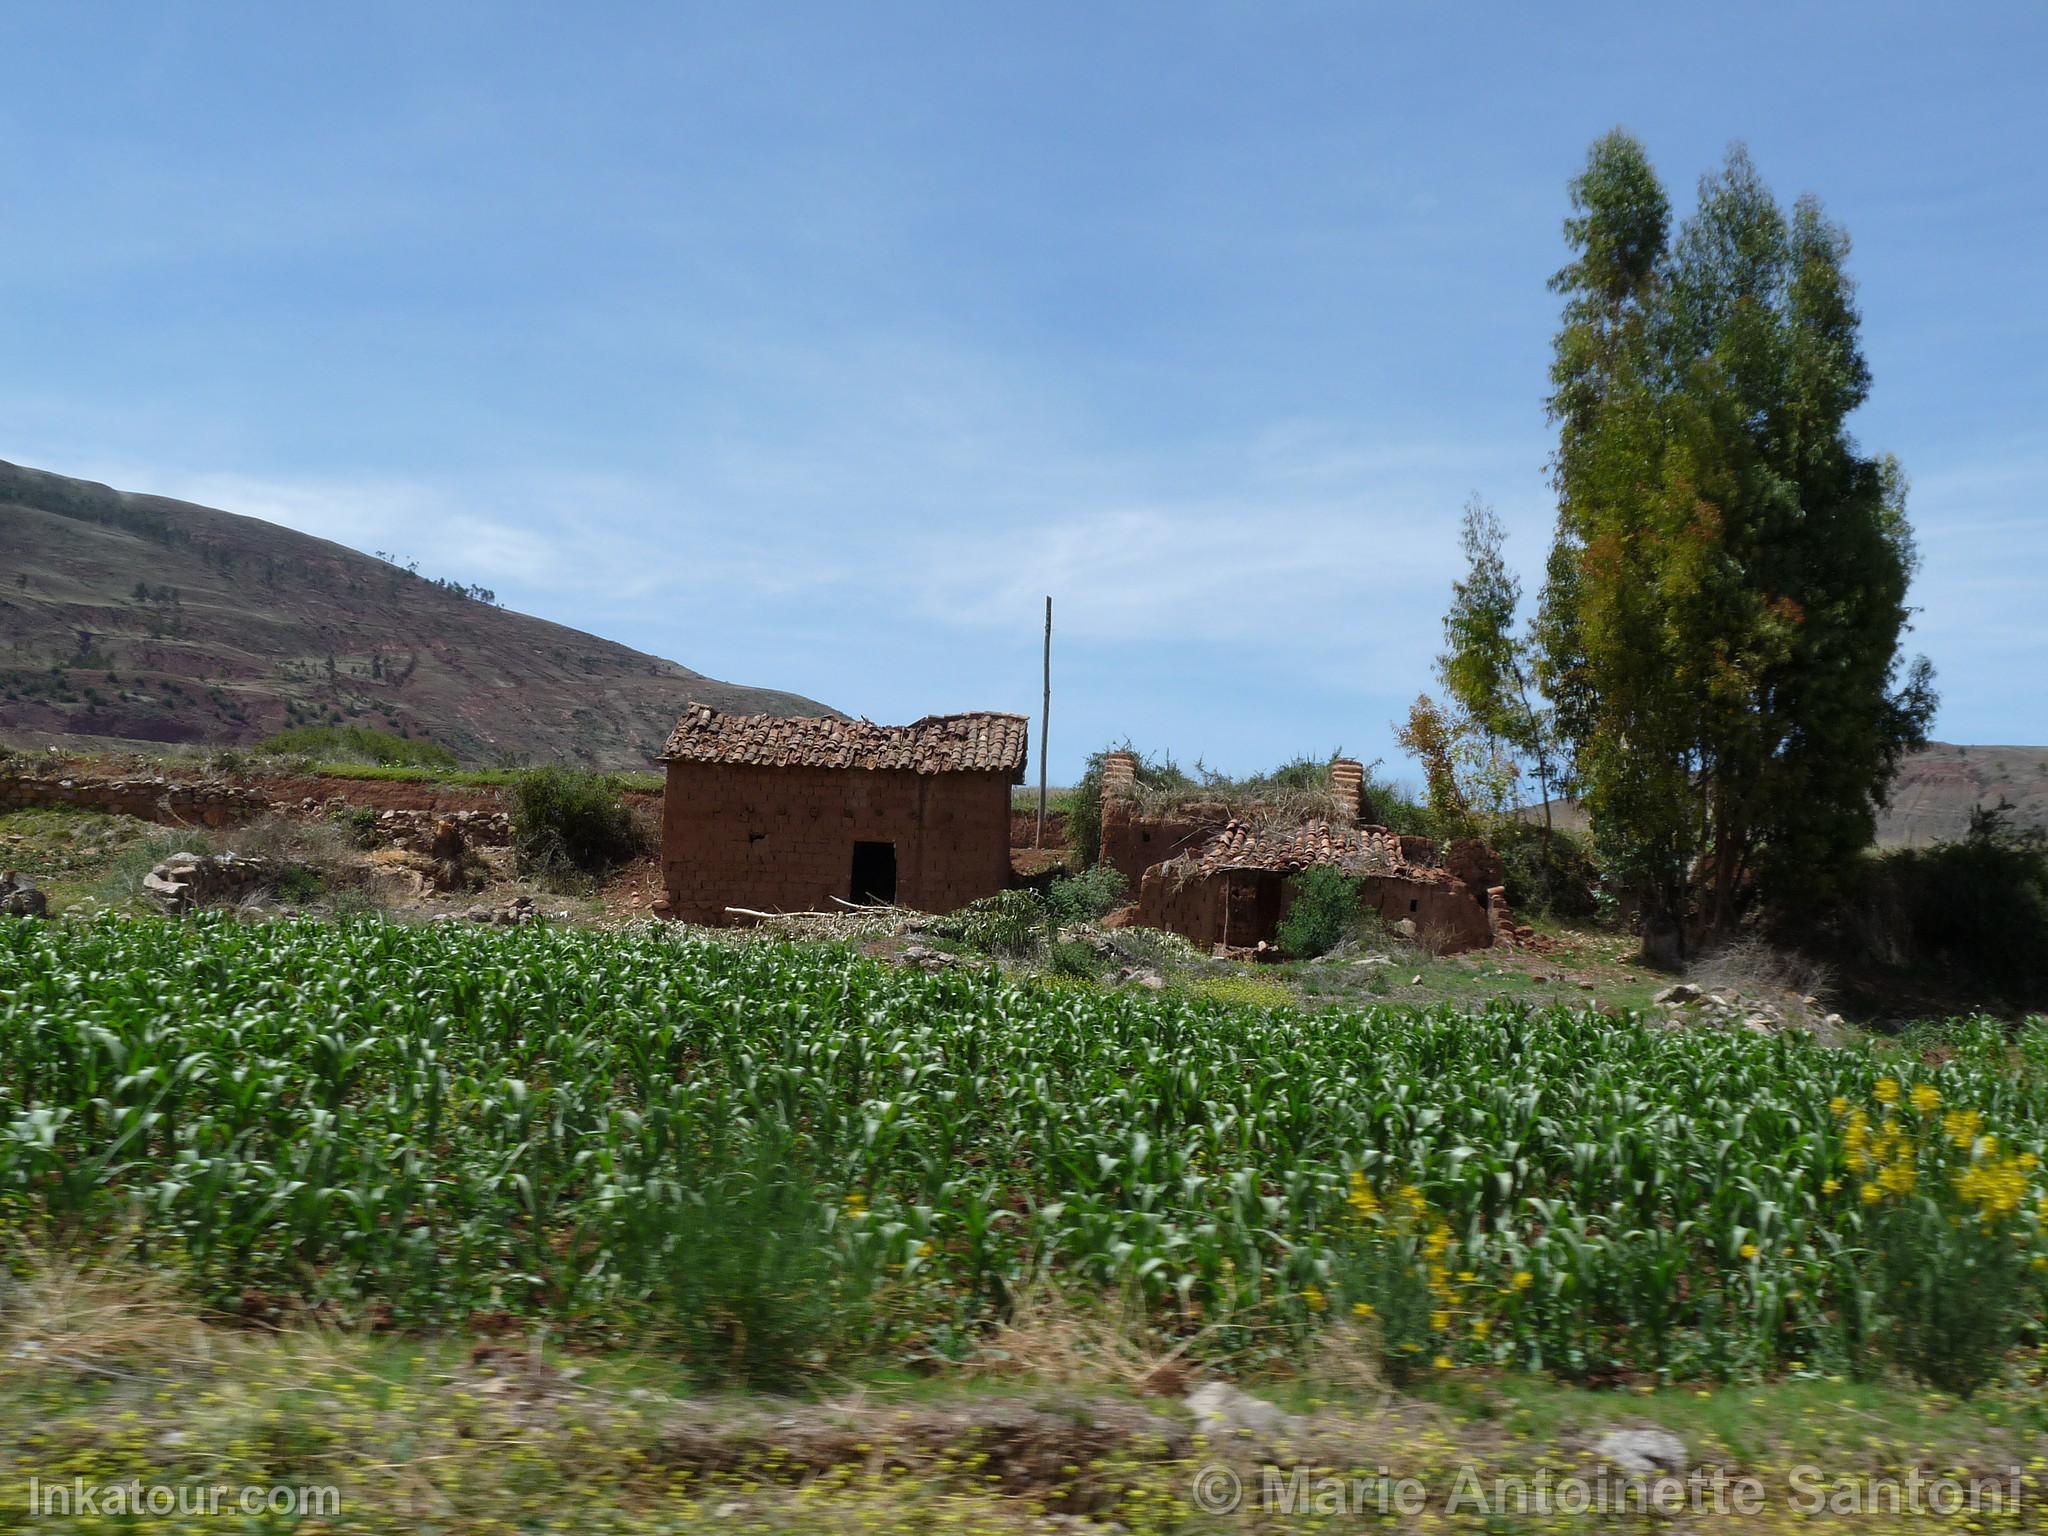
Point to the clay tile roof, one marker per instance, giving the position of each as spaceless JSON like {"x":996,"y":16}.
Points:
{"x":983,"y":743}
{"x":1285,"y":848}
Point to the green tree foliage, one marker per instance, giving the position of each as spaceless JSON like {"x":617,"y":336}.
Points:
{"x":1719,"y":628}
{"x":1487,"y":666}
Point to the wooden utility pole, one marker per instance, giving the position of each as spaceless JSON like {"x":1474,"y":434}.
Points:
{"x":1044,"y":721}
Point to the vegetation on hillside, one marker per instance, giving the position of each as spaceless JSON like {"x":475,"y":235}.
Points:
{"x":357,"y":744}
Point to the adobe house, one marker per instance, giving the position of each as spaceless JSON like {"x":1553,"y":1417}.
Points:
{"x":1134,"y":838}
{"x":1219,"y":876}
{"x":778,"y":814}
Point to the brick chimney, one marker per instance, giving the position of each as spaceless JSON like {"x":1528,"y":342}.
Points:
{"x":1119,"y":776}
{"x":1347,"y":790}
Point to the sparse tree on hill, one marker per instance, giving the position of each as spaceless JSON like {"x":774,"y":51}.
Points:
{"x":1720,"y":624}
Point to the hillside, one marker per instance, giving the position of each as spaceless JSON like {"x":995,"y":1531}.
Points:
{"x":1937,"y":788}
{"x":145,"y":619}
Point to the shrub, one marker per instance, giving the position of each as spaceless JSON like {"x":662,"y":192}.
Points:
{"x":358,"y":823}
{"x":1068,"y":957}
{"x":1557,"y":879}
{"x":1091,"y":894}
{"x":1951,"y":1225}
{"x":1325,"y":909}
{"x":1977,"y":908}
{"x":568,"y":820}
{"x":1388,"y":1271}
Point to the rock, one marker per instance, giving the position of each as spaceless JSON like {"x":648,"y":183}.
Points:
{"x":1644,"y":1451}
{"x":21,"y":898}
{"x":1220,"y":1408}
{"x":1404,"y":926}
{"x":1682,"y":993}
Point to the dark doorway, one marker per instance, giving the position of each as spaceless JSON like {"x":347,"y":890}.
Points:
{"x":874,"y":872}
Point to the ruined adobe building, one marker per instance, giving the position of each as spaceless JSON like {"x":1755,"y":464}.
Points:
{"x":1212,"y":877}
{"x":784,"y":815}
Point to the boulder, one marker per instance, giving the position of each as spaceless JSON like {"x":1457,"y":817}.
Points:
{"x":1644,"y":1451}
{"x":20,"y":897}
{"x":1221,"y":1409}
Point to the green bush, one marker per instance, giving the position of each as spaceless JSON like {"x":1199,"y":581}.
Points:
{"x":1067,"y":957}
{"x":568,"y":820}
{"x":1091,"y":894}
{"x":1976,"y":908}
{"x":1325,"y":909}
{"x":1554,"y":879}
{"x":356,"y":744}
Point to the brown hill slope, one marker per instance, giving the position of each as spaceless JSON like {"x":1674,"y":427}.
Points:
{"x":1932,"y":798}
{"x":148,"y":619}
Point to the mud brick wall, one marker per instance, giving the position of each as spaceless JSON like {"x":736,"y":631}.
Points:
{"x":1235,"y":907}
{"x":1241,"y":907}
{"x":153,"y":798}
{"x":1134,"y":841}
{"x":781,"y":839}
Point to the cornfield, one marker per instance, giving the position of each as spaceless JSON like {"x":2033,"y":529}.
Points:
{"x":768,"y":1148}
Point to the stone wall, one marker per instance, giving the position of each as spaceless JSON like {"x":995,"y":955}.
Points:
{"x":782,"y":839}
{"x":202,"y":803}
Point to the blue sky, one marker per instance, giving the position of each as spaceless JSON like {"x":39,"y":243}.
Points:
{"x":811,"y":346}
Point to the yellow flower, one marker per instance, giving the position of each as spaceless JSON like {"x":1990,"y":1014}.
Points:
{"x":1899,"y":1178}
{"x":1482,"y":1326}
{"x":1439,"y":1320}
{"x":1360,"y":1197}
{"x":856,"y":1202}
{"x":1361,"y":1309}
{"x":1926,"y":1099}
{"x":1314,"y":1297}
{"x":1870,"y":1194}
{"x":1522,"y":1280}
{"x":1443,"y":1363}
{"x":1960,"y":1126}
{"x":1838,"y":1106}
{"x":1466,"y":1277}
{"x":2029,"y":1162}
{"x":1831,"y":1186}
{"x":1748,"y":1250}
{"x":1887,"y":1090}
